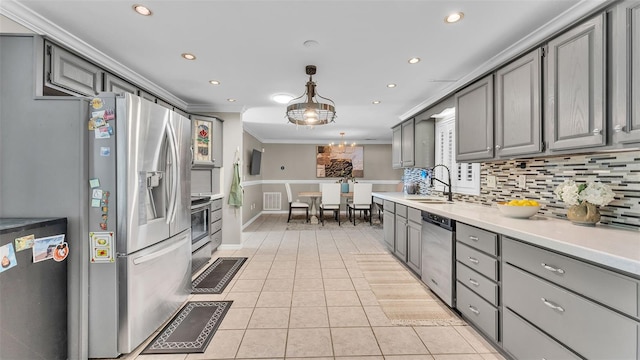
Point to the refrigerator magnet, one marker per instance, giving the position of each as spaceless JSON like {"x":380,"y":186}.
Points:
{"x":98,"y":121}
{"x":103,"y":226}
{"x":43,"y":248}
{"x":96,"y":194}
{"x":7,"y":257}
{"x":91,"y":124}
{"x":24,"y":242}
{"x":95,"y":203}
{"x":101,"y":133}
{"x":61,"y":252}
{"x":105,"y":151}
{"x":97,"y":103}
{"x":94,"y":183}
{"x":110,"y":129}
{"x":109,"y":114}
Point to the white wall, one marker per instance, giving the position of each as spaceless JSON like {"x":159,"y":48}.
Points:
{"x":8,"y":26}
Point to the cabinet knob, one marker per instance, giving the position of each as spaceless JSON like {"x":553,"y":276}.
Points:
{"x":488,"y":148}
{"x":498,"y":147}
{"x":618,"y":128}
{"x":596,"y":131}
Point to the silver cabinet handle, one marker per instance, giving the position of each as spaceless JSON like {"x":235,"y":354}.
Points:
{"x":473,"y":282}
{"x":474,"y":310}
{"x":474,"y":238}
{"x":474,"y":260}
{"x":498,"y":147}
{"x":596,"y":131}
{"x":552,"y":305}
{"x":552,"y":269}
{"x":618,"y":128}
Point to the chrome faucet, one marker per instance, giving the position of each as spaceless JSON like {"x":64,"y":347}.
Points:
{"x":433,"y":177}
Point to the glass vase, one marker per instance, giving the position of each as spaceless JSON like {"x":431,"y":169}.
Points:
{"x":585,"y":214}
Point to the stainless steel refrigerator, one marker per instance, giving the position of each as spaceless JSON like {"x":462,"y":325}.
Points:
{"x":139,"y":220}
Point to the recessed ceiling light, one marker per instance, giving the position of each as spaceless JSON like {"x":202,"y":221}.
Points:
{"x":188,"y":56}
{"x":454,"y":17}
{"x":310,"y":43}
{"x":282,"y":98}
{"x":231,"y":100}
{"x":214,"y":82}
{"x":142,"y":10}
{"x":376,"y":102}
{"x":391,"y":85}
{"x":414,"y":60}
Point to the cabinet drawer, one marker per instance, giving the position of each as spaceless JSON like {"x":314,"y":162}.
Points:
{"x":401,"y":210}
{"x":216,"y":204}
{"x":607,"y":287}
{"x":479,"y":284}
{"x":478,"y":311}
{"x":477,"y":238}
{"x":216,"y":239}
{"x":480,"y":262}
{"x":589,"y":329}
{"x":523,"y":341}
{"x":414,"y":215}
{"x":389,"y":206}
{"x":216,"y":226}
{"x":216,"y":215}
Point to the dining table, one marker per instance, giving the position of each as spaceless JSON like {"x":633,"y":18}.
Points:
{"x":314,"y":196}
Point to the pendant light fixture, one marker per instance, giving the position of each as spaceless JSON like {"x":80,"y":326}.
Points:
{"x":307,"y":109}
{"x":342,"y":145}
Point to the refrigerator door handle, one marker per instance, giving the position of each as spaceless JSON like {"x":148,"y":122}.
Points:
{"x":173,"y":148}
{"x":155,"y":255}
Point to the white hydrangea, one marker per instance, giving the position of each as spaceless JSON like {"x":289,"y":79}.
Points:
{"x":593,"y":192}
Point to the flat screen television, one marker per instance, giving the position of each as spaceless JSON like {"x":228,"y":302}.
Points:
{"x":256,"y":159}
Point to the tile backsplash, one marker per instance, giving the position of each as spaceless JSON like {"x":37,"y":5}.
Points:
{"x":619,"y":170}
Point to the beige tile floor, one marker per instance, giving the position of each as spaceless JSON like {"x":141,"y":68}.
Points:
{"x":301,"y":295}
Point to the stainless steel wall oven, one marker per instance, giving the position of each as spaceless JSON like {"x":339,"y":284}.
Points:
{"x":200,"y":231}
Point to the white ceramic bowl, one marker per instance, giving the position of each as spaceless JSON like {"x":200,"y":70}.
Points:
{"x":519,"y":212}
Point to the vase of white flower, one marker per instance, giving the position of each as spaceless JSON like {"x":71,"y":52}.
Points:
{"x":584,"y":200}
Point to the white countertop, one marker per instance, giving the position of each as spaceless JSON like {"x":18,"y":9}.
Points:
{"x":608,"y":246}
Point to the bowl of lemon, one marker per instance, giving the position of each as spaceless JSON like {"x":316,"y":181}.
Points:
{"x":519,"y":209}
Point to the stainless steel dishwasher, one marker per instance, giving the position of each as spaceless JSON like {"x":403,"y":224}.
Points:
{"x":438,"y":255}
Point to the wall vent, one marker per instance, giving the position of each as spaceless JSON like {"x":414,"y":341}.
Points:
{"x":272,"y":201}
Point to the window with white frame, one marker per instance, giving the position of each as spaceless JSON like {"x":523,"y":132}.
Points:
{"x":465,"y":177}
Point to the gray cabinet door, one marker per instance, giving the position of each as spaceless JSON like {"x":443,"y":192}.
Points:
{"x":401,"y":238}
{"x":408,"y":133}
{"x":518,"y":108}
{"x":424,"y":143}
{"x":216,"y":147}
{"x":474,"y":121}
{"x":396,"y":147}
{"x":626,"y":72}
{"x":414,"y":246}
{"x":389,"y":229}
{"x":575,"y":106}
{"x":117,"y":85}
{"x":70,"y":73}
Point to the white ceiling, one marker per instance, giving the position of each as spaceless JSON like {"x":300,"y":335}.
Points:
{"x":255,"y":49}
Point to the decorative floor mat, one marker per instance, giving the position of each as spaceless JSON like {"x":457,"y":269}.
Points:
{"x":191,"y":330}
{"x":217,"y":276}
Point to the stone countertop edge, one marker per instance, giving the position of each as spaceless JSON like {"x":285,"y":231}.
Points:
{"x":615,"y":248}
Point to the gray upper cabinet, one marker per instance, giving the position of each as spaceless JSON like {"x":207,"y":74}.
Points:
{"x":117,"y":85}
{"x":518,"y":110}
{"x":70,"y":73}
{"x":424,"y":142}
{"x":626,"y":72}
{"x":408,"y":134}
{"x":575,"y":106}
{"x":474,"y":121}
{"x":396,"y":147}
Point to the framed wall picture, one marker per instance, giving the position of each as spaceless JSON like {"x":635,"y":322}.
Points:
{"x":202,"y":142}
{"x":339,"y":161}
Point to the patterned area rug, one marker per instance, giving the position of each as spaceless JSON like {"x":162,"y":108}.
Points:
{"x":191,"y":330}
{"x":403,"y":298}
{"x":217,"y":276}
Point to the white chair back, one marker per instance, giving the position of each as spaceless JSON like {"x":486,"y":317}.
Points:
{"x":331,"y":194}
{"x":289,"y":196}
{"x":362,"y":193}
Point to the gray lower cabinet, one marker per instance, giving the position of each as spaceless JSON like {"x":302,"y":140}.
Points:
{"x":477,"y":278}
{"x":389,"y":224}
{"x":414,"y":239}
{"x":216,"y":223}
{"x":474,"y":121}
{"x":518,"y":112}
{"x":70,"y":73}
{"x":571,"y":306}
{"x":575,"y":78}
{"x":626,"y":72}
{"x":401,"y":232}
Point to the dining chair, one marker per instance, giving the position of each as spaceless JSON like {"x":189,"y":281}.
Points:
{"x":330,"y":200}
{"x":361,"y":201}
{"x":295,"y":204}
